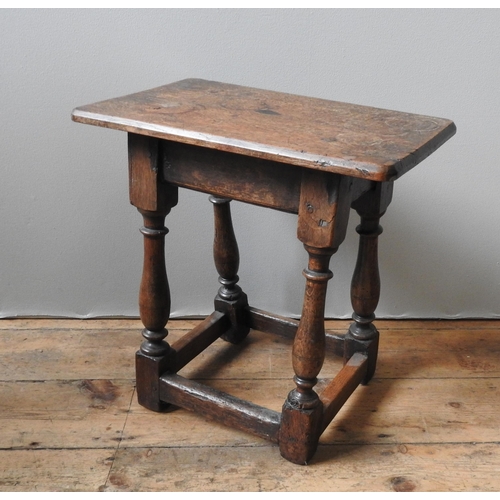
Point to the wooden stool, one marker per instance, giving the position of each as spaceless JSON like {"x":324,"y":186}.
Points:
{"x":311,"y":157}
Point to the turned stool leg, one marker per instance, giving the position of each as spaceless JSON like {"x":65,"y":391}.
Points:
{"x":322,"y":222}
{"x":230,"y":298}
{"x":302,"y":411}
{"x":365,"y":286}
{"x":154,"y":307}
{"x":154,"y":199}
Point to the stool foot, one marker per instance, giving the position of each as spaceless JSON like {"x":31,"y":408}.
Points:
{"x":237,"y":312}
{"x":353,"y":345}
{"x":299,"y":432}
{"x":148,"y":371}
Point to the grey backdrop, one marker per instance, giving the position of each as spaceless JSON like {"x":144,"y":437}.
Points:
{"x":69,"y":241}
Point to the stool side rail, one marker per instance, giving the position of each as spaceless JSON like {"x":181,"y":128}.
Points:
{"x":220,"y":406}
{"x":267,"y":322}
{"x":198,"y":339}
{"x":338,"y":391}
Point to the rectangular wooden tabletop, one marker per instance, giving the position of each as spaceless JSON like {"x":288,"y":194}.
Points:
{"x":349,"y":139}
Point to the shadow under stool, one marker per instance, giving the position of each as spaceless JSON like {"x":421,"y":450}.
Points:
{"x":311,"y":157}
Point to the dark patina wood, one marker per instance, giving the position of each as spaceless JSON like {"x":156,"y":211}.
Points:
{"x":230,"y":298}
{"x":348,"y":139}
{"x":342,"y":386}
{"x":310,"y":157}
{"x":198,"y":339}
{"x":220,"y":406}
{"x":264,"y":321}
{"x":365,"y":286}
{"x":154,"y":199}
{"x":230,"y":175}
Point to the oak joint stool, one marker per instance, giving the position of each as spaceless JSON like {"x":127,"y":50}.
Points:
{"x":311,"y":157}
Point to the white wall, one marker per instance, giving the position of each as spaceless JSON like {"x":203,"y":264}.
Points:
{"x":69,"y":240}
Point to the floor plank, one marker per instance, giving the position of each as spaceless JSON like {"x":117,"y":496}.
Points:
{"x":64,"y":414}
{"x":441,"y":467}
{"x":55,"y":470}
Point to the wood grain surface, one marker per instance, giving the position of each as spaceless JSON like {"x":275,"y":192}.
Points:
{"x":350,"y":139}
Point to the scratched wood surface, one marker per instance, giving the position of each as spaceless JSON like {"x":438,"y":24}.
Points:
{"x":70,"y":420}
{"x":360,"y":141}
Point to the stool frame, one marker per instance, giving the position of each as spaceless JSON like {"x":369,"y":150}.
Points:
{"x":310,"y":157}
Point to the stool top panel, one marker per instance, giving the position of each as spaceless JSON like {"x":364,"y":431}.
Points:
{"x":349,"y":139}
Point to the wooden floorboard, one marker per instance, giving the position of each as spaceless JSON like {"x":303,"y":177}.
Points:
{"x":70,"y":421}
